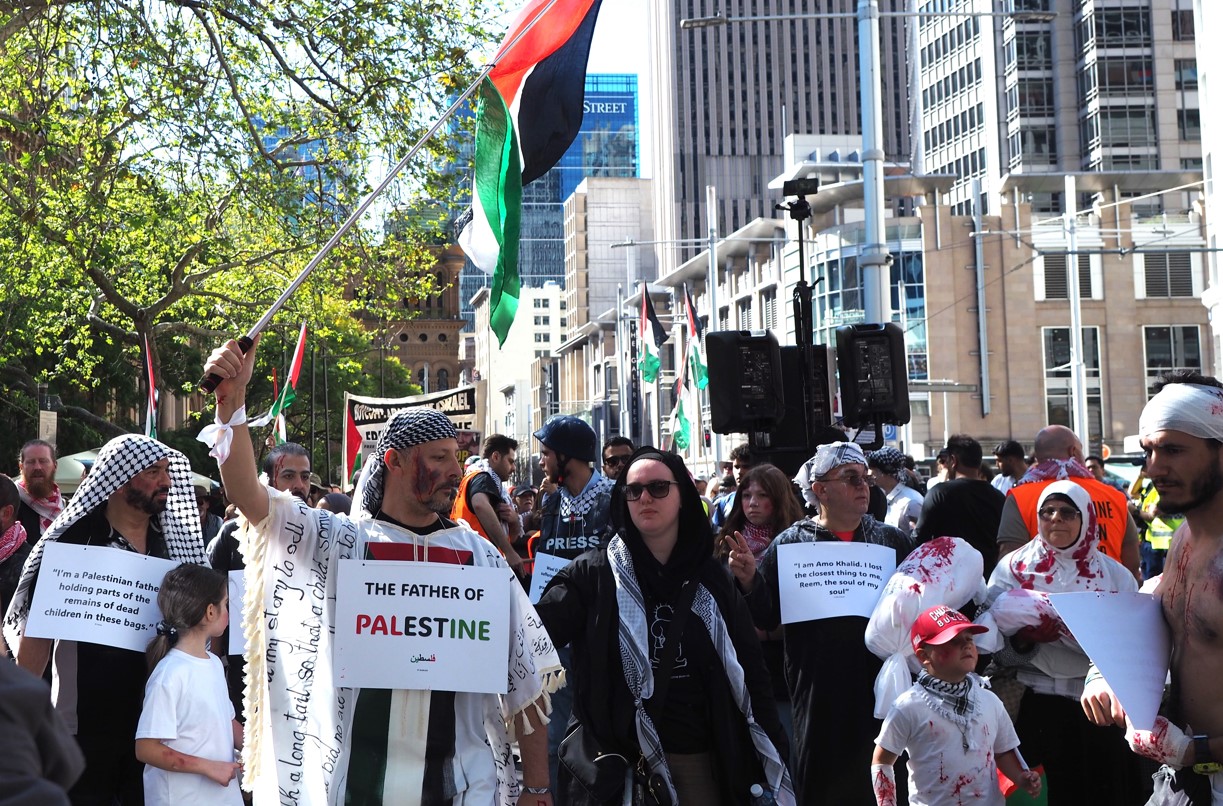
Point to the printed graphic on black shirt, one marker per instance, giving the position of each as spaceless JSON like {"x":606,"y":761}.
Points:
{"x":660,"y":623}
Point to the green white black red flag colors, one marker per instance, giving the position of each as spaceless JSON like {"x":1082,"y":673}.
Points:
{"x":681,"y":425}
{"x":150,"y":415}
{"x":529,"y":112}
{"x":287,"y":395}
{"x":649,"y":360}
{"x":700,"y":372}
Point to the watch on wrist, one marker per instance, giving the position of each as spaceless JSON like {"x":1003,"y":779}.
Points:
{"x":1203,"y":761}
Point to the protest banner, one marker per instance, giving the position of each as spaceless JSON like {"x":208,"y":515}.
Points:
{"x":829,"y":579}
{"x":546,"y":567}
{"x":97,"y":594}
{"x":415,"y":625}
{"x":366,"y":417}
{"x":1134,"y":661}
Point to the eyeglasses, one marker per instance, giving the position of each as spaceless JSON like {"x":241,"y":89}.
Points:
{"x":851,"y":479}
{"x":1066,"y":513}
{"x":656,"y":489}
{"x":615,"y":461}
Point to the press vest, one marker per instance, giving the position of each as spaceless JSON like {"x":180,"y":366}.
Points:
{"x":1110,"y":504}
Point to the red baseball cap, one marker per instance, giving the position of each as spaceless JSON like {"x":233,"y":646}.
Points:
{"x":940,"y":624}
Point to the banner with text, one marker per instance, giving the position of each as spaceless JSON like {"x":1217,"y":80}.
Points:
{"x":422,"y":626}
{"x":366,"y":417}
{"x":546,"y":567}
{"x":829,"y":579}
{"x":96,"y":594}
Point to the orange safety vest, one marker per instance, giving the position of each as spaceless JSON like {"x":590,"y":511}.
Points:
{"x":460,"y":511}
{"x":1110,"y":504}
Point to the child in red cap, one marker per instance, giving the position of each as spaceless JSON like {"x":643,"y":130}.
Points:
{"x":956,"y":730}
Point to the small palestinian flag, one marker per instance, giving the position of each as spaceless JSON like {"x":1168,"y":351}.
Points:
{"x":649,"y":360}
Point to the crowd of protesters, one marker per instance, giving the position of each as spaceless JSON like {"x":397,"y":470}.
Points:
{"x":653,"y":659}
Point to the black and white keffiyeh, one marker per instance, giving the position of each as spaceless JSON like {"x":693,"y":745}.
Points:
{"x":406,"y":429}
{"x":639,"y":675}
{"x":118,"y":462}
{"x":578,"y":505}
{"x":482,"y":465}
{"x":953,"y":701}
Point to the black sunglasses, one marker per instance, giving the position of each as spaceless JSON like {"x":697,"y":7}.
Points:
{"x":615,"y":460}
{"x":657,"y":489}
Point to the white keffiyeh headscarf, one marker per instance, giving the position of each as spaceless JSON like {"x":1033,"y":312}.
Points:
{"x":1187,"y":407}
{"x":118,"y":463}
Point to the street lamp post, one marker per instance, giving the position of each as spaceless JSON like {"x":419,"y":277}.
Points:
{"x":874,"y":257}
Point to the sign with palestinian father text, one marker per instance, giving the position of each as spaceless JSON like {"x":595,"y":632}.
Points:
{"x":420,"y":625}
{"x":827,"y":579}
{"x":97,"y":594}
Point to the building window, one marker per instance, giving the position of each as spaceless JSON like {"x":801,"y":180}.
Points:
{"x":1170,"y":347}
{"x":1126,"y":26}
{"x":1186,"y":74}
{"x":1059,"y":398}
{"x":768,"y":309}
{"x":1057,"y":277}
{"x":744,"y":310}
{"x":1168,"y":274}
{"x":1182,"y":25}
{"x":1189,"y":123}
{"x":443,"y":380}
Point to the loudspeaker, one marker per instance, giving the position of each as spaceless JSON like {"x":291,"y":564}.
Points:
{"x":745,"y":380}
{"x":874,"y":374}
{"x":800,"y":430}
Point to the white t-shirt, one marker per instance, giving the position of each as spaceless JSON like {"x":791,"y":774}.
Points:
{"x":941,"y":772}
{"x":187,"y":707}
{"x":1002,"y":483}
{"x":904,"y":508}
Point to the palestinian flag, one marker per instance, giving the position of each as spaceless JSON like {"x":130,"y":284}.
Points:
{"x":700,"y":372}
{"x":649,"y":360}
{"x":681,"y":426}
{"x":150,"y":415}
{"x":287,"y":395}
{"x":530,"y":110}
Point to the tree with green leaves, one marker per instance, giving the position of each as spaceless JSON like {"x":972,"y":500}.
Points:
{"x":166,"y":168}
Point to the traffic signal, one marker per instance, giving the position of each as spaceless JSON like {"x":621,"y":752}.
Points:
{"x":874,"y":375}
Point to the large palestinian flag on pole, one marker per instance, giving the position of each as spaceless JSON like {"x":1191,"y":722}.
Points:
{"x":529,"y":112}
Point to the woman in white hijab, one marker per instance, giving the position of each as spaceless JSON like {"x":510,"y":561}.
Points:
{"x":1084,"y":763}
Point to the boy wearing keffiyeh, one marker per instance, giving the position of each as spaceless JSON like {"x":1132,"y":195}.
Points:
{"x":954,"y":728}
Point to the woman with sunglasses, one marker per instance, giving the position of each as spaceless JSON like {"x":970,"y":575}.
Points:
{"x":654,"y":618}
{"x":1084,"y":763}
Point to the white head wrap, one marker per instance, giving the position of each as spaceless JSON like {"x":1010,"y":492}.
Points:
{"x":118,"y":463}
{"x":827,"y":457}
{"x":1187,"y":407}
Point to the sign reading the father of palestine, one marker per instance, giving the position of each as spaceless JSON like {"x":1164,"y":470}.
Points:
{"x":97,"y":594}
{"x":417,"y":625}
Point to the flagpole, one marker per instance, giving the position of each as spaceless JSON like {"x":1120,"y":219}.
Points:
{"x":210,"y":382}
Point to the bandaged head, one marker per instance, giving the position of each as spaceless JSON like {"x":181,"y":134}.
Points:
{"x":1190,"y":408}
{"x":406,"y":429}
{"x":827,"y":457}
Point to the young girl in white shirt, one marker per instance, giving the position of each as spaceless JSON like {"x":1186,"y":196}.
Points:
{"x":187,"y":733}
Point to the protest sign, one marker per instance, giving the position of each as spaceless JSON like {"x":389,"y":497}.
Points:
{"x":1133,"y":660}
{"x":546,"y":567}
{"x":829,"y":579}
{"x":97,"y":594}
{"x":417,"y":625}
{"x":365,"y":418}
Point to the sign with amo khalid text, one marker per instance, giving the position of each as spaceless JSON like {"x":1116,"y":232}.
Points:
{"x":428,"y":626}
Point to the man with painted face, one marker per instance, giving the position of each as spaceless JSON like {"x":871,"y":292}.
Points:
{"x":317,"y":739}
{"x":137,"y":498}
{"x":287,"y":468}
{"x":573,"y":519}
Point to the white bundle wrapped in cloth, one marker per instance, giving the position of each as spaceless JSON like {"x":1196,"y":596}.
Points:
{"x":945,"y":571}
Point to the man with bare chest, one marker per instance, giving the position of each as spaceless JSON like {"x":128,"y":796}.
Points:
{"x":1181,"y":431}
